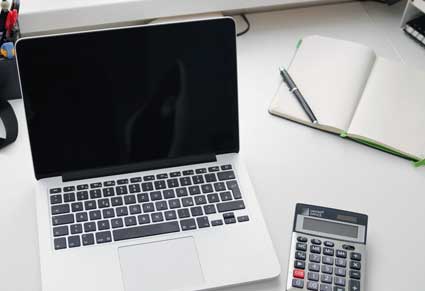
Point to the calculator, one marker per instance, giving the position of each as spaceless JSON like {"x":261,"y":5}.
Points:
{"x":328,"y":250}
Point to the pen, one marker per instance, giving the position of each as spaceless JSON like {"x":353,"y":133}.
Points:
{"x":294,"y":90}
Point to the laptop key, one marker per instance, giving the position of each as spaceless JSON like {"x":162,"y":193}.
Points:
{"x":175,"y":174}
{"x":227,"y":175}
{"x":81,"y":216}
{"x":116,"y":201}
{"x":87,"y":239}
{"x":95,"y":185}
{"x":117,"y":222}
{"x":217,"y":222}
{"x":56,"y":199}
{"x":108,"y":213}
{"x":174,"y":203}
{"x":149,"y":178}
{"x":95,"y":214}
{"x":130,"y":221}
{"x":135,"y":209}
{"x":60,"y":230}
{"x":197,"y":179}
{"x":200,"y":199}
{"x":168,"y":194}
{"x":210,"y":209}
{"x":160,"y":185}
{"x":82,"y":195}
{"x":82,"y":187}
{"x":162,"y":176}
{"x":69,"y":197}
{"x":172,"y":183}
{"x":148,"y":186}
{"x":213,"y":198}
{"x":103,"y":224}
{"x":60,"y":209}
{"x":183,"y":213}
{"x":219,"y":186}
{"x":63,"y":219}
{"x":103,"y":237}
{"x":194,"y":190}
{"x":143,"y":197}
{"x":156,"y":195}
{"x":230,"y":206}
{"x":146,"y":230}
{"x":76,"y":228}
{"x":181,"y":192}
{"x":109,"y":183}
{"x":207,"y":188}
{"x":77,"y":206}
{"x":144,"y":219}
{"x":69,"y":188}
{"x":108,"y":192}
{"x":129,"y":199}
{"x":185,"y":181}
{"x":89,"y":205}
{"x":226,"y":167}
{"x":226,"y":196}
{"x":148,"y":207}
{"x":203,"y":222}
{"x":187,"y":202}
{"x":188,"y":172}
{"x":196,"y":211}
{"x":89,"y":226}
{"x":95,"y":193}
{"x":161,"y":205}
{"x":103,"y":203}
{"x":188,"y":224}
{"x":122,"y":211}
{"x":170,"y":215}
{"x":233,"y":186}
{"x":122,"y":181}
{"x":121,"y":190}
{"x":210,"y":178}
{"x":136,"y":180}
{"x":60,"y":243}
{"x":157,"y":217}
{"x":134,"y":188}
{"x":55,"y":190}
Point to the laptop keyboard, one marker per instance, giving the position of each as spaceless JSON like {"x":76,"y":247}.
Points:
{"x":122,"y":209}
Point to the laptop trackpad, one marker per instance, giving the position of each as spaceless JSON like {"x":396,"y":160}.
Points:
{"x":161,"y":266}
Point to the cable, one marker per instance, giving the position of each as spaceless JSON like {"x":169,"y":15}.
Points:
{"x":248,"y":25}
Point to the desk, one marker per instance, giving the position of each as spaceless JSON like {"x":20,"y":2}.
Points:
{"x":288,"y":163}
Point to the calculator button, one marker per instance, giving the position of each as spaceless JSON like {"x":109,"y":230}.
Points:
{"x":354,"y":274}
{"x":326,"y":278}
{"x":355,"y":265}
{"x":348,"y":247}
{"x":297,"y":283}
{"x":329,"y":244}
{"x":327,"y":260}
{"x":341,"y":254}
{"x":316,"y":241}
{"x":302,"y":239}
{"x":314,"y":258}
{"x":327,"y":269}
{"x":336,"y":288}
{"x":328,"y":251}
{"x":339,"y":281}
{"x":354,"y":285}
{"x":312,"y":286}
{"x":300,"y":255}
{"x":301,"y":247}
{"x":325,"y":287}
{"x":356,"y":256}
{"x":299,"y":265}
{"x":340,"y":272}
{"x":298,"y":274}
{"x":315,"y":249}
{"x":341,"y":262}
{"x":313,"y":267}
{"x":313,"y":276}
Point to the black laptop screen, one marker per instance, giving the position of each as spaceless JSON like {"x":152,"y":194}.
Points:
{"x":114,"y":97}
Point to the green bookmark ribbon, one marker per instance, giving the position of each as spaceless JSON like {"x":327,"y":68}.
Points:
{"x":419,"y":163}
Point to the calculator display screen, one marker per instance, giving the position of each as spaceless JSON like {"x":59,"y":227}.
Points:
{"x":330,"y":227}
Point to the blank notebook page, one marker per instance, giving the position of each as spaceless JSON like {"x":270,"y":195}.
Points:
{"x":392,"y":109}
{"x":331,"y":74}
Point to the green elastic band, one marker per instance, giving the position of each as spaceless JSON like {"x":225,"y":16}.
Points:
{"x":299,"y":43}
{"x":419,"y":163}
{"x":343,"y":134}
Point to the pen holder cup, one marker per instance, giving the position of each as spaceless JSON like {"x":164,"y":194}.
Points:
{"x":9,"y":81}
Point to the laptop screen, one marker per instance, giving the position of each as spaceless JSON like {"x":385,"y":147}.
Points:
{"x":122,"y":96}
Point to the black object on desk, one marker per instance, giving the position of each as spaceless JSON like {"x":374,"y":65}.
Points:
{"x":9,"y":89}
{"x":415,"y":28}
{"x":294,"y":90}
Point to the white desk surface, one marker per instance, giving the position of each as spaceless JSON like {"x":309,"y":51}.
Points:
{"x":288,"y":163}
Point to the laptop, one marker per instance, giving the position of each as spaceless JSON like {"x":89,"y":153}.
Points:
{"x":134,"y":139}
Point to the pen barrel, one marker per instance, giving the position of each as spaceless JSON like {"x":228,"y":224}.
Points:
{"x":304,"y":104}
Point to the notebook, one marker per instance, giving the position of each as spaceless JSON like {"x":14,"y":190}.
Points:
{"x":358,"y":95}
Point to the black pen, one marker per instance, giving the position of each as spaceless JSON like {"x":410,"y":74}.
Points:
{"x":294,"y":90}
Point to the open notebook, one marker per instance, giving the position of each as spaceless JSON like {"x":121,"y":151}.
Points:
{"x":357,"y":94}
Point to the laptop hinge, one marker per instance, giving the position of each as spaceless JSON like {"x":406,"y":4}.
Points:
{"x":137,"y":167}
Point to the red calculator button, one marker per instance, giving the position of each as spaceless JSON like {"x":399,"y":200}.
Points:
{"x":299,"y":274}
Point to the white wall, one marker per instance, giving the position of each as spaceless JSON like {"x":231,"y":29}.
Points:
{"x":39,"y":16}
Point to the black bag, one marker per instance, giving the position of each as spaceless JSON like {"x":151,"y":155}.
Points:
{"x":9,"y":89}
